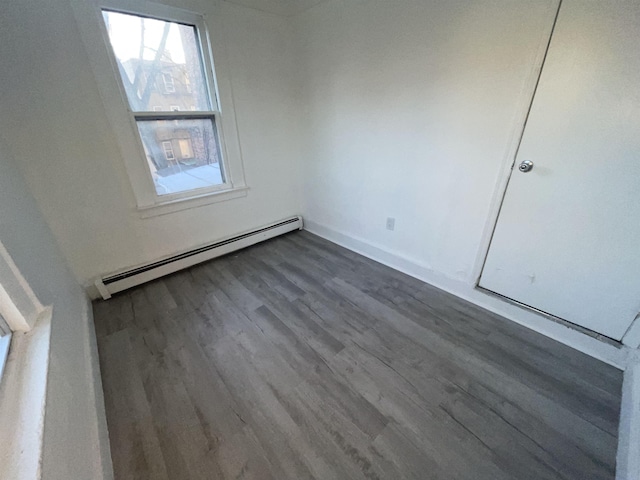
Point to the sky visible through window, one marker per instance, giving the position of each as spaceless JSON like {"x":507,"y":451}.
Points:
{"x":125,"y":34}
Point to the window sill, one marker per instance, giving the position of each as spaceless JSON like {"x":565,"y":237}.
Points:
{"x":177,"y":205}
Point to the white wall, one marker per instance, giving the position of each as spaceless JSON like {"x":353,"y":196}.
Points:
{"x":55,"y":121}
{"x":74,"y":445}
{"x":57,"y":146}
{"x":280,"y":7}
{"x":412,"y":108}
{"x":378,"y":108}
{"x":409,"y":109}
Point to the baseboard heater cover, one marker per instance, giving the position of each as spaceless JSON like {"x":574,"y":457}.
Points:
{"x":118,"y":282}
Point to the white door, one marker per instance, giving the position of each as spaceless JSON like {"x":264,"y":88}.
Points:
{"x":567,"y":240}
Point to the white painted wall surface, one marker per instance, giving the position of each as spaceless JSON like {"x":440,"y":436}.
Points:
{"x":54,"y":121}
{"x":75,"y":445}
{"x":412,"y":111}
{"x":279,"y":7}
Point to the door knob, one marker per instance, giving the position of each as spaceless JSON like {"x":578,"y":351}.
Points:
{"x":525,"y":166}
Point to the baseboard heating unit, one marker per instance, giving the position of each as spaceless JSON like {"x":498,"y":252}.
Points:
{"x":118,"y":282}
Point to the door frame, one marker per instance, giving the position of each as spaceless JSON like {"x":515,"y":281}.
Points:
{"x":631,"y":338}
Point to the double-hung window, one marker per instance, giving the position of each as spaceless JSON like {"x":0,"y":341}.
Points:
{"x":165,"y":68}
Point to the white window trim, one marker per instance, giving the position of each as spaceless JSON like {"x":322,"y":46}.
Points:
{"x":88,"y":14}
{"x":23,"y":373}
{"x":19,"y":305}
{"x":23,"y":393}
{"x":192,"y":201}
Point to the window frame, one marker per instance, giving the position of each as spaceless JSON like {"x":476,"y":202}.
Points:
{"x":171,"y":83}
{"x":165,"y":144}
{"x":148,"y":202}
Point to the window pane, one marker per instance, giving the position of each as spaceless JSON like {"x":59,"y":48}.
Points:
{"x":159,"y":62}
{"x":182,"y":154}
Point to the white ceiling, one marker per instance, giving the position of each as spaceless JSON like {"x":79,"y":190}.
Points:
{"x":279,"y":7}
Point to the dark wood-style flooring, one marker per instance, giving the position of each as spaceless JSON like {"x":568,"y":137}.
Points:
{"x":298,"y":359}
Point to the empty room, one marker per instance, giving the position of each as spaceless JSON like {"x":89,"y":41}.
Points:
{"x":320,"y":239}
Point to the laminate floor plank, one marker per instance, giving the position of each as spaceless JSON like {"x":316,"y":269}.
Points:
{"x":536,"y":370}
{"x":128,"y":412}
{"x":299,"y":359}
{"x":479,"y":368}
{"x":424,"y":424}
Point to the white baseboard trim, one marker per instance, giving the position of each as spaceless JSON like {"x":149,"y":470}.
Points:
{"x":628,"y":461}
{"x":616,"y":356}
{"x":116,"y":282}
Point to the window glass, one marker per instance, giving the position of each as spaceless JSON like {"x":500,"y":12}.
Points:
{"x":159,"y":63}
{"x":182,"y":154}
